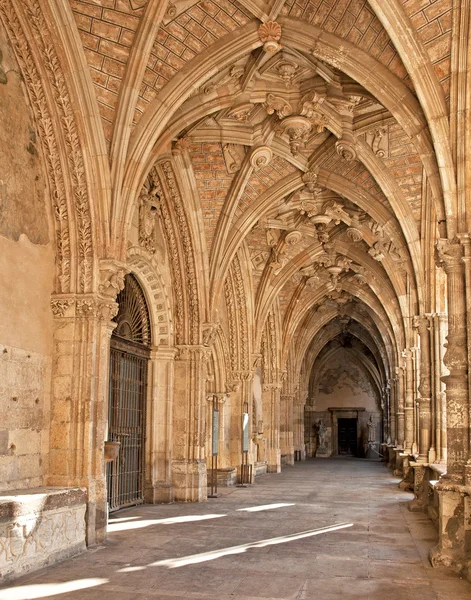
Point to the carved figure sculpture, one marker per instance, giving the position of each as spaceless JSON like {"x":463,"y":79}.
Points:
{"x":147,"y":213}
{"x":371,"y":430}
{"x":321,"y":433}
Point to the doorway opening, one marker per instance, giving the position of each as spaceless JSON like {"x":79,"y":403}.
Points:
{"x":129,"y":358}
{"x":347,"y":437}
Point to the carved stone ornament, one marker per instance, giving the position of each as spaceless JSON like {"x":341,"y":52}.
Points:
{"x":278,"y":105}
{"x":270,"y":34}
{"x":210,"y":331}
{"x":60,"y":306}
{"x":293,"y":237}
{"x":233,"y":156}
{"x":148,"y":211}
{"x":310,"y":179}
{"x":310,"y":107}
{"x":112,"y":282}
{"x":346,"y":150}
{"x":180,"y":146}
{"x":297,"y":129}
{"x":354,"y":234}
{"x":287,"y":71}
{"x":448,"y":254}
{"x":240,"y":113}
{"x":261,"y":157}
{"x":378,"y":140}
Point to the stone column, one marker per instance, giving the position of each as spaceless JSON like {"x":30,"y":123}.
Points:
{"x":79,"y":401}
{"x":189,"y":424}
{"x":298,"y":419}
{"x":456,"y":360}
{"x":453,"y":488}
{"x":158,"y":484}
{"x":400,"y":406}
{"x":271,"y":411}
{"x":409,"y":402}
{"x":425,"y":388}
{"x":393,"y":409}
{"x":441,"y":331}
{"x":286,"y":427}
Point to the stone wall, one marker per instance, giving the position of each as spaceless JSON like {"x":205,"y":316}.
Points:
{"x":26,"y":283}
{"x":343,"y":383}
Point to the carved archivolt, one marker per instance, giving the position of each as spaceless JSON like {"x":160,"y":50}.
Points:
{"x":242,"y":312}
{"x":154,"y":288}
{"x":56,"y":160}
{"x":181,"y":253}
{"x":48,"y":138}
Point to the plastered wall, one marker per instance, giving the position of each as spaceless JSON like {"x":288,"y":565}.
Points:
{"x":26,"y":280}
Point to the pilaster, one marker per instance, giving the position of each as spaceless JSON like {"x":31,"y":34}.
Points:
{"x":158,"y":483}
{"x":189,"y":424}
{"x":82,"y":333}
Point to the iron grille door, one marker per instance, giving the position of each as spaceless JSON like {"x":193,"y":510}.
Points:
{"x":126,"y":424}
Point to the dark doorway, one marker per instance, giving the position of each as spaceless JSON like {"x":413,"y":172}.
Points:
{"x":347,"y":429}
{"x":127,"y":397}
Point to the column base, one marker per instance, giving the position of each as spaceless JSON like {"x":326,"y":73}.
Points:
{"x":407,"y":483}
{"x":454,"y":545}
{"x":190,"y":481}
{"x":274,"y":461}
{"x":419,"y":503}
{"x":159,"y":493}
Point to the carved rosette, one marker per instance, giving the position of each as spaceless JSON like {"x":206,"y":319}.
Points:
{"x":270,"y":34}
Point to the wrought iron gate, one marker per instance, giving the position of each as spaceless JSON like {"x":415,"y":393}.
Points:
{"x":129,"y":357}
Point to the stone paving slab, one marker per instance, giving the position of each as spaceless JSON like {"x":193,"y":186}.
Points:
{"x":221,"y":550}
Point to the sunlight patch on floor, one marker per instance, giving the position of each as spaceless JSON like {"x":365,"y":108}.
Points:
{"x":127,"y":526}
{"x":266,"y":507}
{"x":48,"y":590}
{"x":173,"y":563}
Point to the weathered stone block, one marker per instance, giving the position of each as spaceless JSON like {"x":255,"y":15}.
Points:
{"x":40,"y":527}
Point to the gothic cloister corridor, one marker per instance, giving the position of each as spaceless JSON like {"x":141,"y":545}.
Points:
{"x":246,"y":545}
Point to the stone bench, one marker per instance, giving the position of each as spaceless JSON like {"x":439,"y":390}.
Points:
{"x":39,"y":527}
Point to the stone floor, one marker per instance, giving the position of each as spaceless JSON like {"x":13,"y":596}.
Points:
{"x":325,"y":529}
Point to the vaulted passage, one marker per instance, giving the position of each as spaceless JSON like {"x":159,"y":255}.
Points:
{"x":325,"y":529}
{"x":234,"y":237}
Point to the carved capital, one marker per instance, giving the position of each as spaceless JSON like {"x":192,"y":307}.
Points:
{"x":60,"y":305}
{"x":421,"y":323}
{"x":195,"y":353}
{"x":180,"y":146}
{"x":278,"y":105}
{"x":112,"y":275}
{"x":448,"y":255}
{"x":210,"y":331}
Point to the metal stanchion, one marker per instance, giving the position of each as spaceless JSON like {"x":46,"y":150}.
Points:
{"x":214,"y":449}
{"x":245,"y":468}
